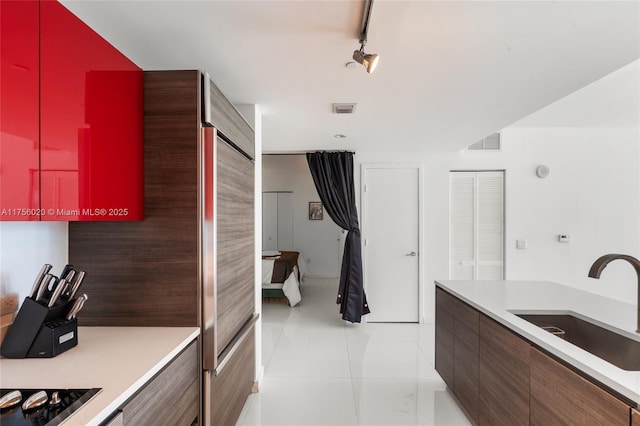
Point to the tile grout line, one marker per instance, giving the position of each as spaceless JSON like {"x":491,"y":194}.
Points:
{"x":353,"y":386}
{"x":275,"y":345}
{"x":424,"y":354}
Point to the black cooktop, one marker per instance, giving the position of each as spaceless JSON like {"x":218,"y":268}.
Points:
{"x":70,"y":401}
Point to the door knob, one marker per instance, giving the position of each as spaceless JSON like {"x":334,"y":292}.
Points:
{"x":412,"y":254}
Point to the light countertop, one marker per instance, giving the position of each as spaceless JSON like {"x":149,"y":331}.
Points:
{"x":497,"y":298}
{"x":120,"y":360}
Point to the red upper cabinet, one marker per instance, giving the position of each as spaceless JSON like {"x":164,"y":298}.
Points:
{"x":89,"y":162}
{"x":19,"y":139}
{"x":91,"y":123}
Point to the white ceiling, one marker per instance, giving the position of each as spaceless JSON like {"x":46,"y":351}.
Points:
{"x":450,"y":72}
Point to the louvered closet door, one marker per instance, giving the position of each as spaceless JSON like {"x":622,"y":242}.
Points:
{"x":476,"y":226}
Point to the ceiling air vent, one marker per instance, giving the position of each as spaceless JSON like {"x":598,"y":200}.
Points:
{"x":344,"y":108}
{"x":490,"y":143}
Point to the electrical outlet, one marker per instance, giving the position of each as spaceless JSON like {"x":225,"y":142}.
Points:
{"x":8,"y":303}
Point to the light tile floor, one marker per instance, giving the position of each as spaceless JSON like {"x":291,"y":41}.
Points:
{"x":320,"y":370}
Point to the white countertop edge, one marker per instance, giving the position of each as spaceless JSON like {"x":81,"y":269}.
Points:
{"x":138,"y":384}
{"x":626,"y":383}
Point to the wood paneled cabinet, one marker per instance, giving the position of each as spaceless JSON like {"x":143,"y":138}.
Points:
{"x":191,"y":261}
{"x":170,"y":398}
{"x":560,"y":396}
{"x":465,"y":357}
{"x":457,"y":327}
{"x":504,"y":376}
{"x":500,"y":378}
{"x":231,"y":384}
{"x":444,"y":336}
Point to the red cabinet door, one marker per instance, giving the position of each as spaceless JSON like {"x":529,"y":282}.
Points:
{"x":19,"y":140}
{"x":91,"y":118}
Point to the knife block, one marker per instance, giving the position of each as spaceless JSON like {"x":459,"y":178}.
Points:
{"x":40,"y":332}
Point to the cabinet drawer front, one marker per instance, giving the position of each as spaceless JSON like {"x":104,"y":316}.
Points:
{"x":560,"y":396}
{"x":231,"y":387}
{"x":504,"y":376}
{"x":172,"y":397}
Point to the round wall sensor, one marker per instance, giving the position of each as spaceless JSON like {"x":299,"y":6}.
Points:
{"x":543,"y":171}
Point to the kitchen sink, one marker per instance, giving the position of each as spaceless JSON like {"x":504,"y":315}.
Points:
{"x":615,"y":348}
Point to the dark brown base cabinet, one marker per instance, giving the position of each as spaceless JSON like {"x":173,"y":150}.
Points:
{"x":444,"y":336}
{"x":560,"y":396}
{"x":504,"y":376}
{"x":170,"y":398}
{"x":515,"y":383}
{"x":459,"y":334}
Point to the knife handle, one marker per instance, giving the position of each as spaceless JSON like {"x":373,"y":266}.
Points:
{"x":36,"y":285}
{"x":77,"y":305}
{"x":70,"y":275}
{"x":43,"y":286}
{"x":62,"y":283}
{"x":66,"y":270}
{"x":76,"y":284}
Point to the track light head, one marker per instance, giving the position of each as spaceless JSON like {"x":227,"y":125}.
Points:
{"x":368,"y":61}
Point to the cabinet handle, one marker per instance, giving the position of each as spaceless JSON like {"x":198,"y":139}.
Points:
{"x":412,"y":254}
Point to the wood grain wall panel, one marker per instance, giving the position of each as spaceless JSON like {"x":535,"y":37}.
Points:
{"x":235,"y":242}
{"x":504,"y":376}
{"x":229,"y":121}
{"x":146,"y":273}
{"x":230,"y":389}
{"x":561,"y":397}
{"x":635,"y":417}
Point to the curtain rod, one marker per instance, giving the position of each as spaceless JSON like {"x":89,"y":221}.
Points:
{"x":306,"y":152}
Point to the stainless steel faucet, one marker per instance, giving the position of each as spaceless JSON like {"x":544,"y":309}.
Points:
{"x":602,"y":261}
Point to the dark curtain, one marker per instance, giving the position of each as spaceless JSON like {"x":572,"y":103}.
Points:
{"x":333,"y":176}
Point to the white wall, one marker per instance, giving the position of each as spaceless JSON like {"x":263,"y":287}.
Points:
{"x":592,"y":194}
{"x":25,"y":247}
{"x":317,"y":240}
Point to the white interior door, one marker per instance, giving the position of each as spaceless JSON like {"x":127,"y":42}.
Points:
{"x":391,"y":212}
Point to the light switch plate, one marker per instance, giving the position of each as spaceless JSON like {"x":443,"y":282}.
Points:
{"x":521,"y":244}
